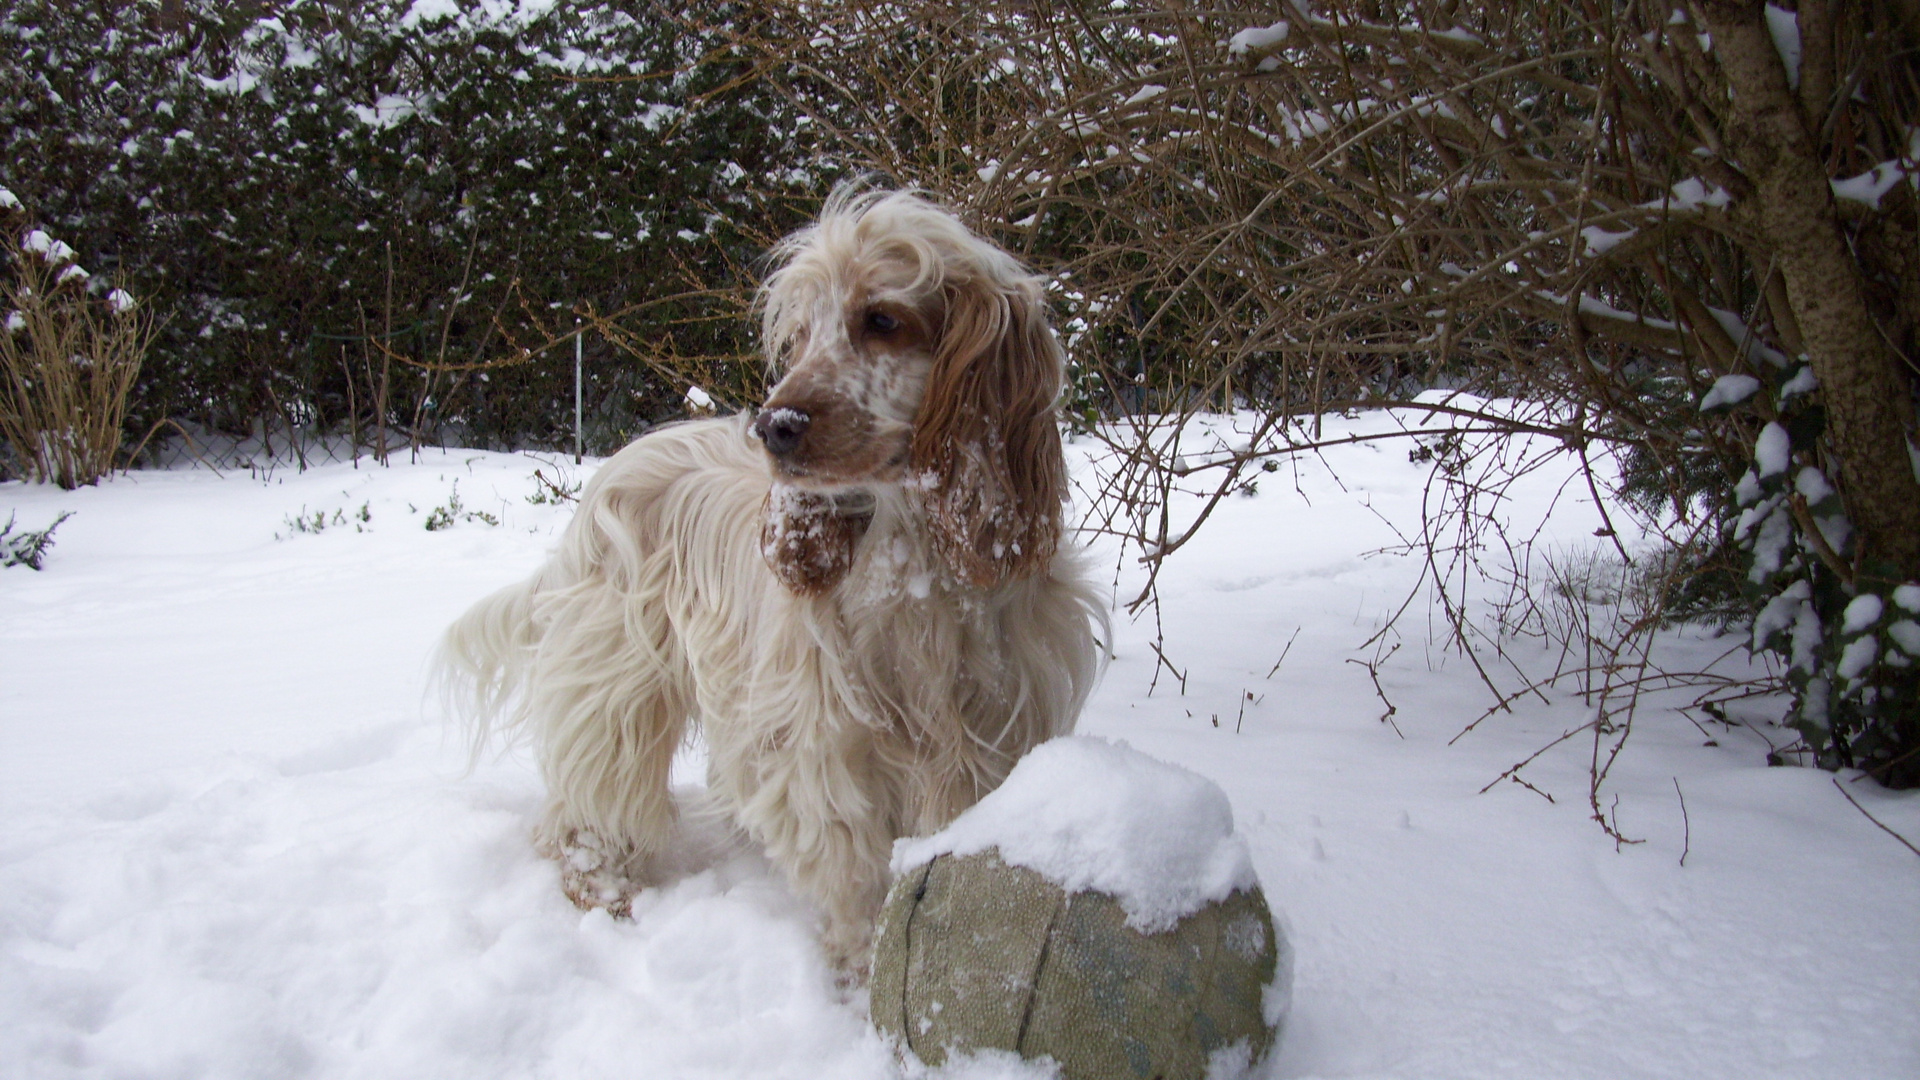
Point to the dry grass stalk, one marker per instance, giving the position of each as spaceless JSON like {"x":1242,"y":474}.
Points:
{"x":67,"y":364}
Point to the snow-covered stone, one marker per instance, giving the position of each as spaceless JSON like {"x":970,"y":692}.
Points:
{"x":1087,"y":814}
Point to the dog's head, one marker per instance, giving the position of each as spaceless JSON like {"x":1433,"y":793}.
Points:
{"x":913,"y":353}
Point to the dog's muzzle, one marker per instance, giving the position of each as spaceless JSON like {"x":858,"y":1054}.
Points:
{"x":781,"y":430}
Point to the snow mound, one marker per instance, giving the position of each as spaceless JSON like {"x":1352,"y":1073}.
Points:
{"x":1091,"y":815}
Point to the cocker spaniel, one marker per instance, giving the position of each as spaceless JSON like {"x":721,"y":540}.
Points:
{"x":859,"y":594}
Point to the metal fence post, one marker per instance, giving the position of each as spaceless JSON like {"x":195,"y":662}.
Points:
{"x":576,"y":391}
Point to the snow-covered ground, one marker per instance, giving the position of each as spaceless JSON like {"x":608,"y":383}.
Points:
{"x":235,"y":840}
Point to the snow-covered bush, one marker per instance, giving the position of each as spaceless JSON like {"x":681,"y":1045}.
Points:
{"x":1840,"y":623}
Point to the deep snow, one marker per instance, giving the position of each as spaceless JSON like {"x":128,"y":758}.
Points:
{"x":235,"y":840}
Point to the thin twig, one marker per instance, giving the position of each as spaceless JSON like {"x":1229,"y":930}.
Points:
{"x":1863,"y":810}
{"x":1535,"y":756}
{"x":1518,"y":779}
{"x":1284,"y":651}
{"x":1686,"y":825}
{"x":1373,"y":671}
{"x":1168,"y":664}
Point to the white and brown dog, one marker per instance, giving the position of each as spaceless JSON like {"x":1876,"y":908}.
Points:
{"x":860,"y":595}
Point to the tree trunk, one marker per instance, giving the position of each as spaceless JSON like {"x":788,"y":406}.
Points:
{"x":1870,"y":416}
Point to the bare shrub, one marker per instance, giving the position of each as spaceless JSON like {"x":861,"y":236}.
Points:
{"x":1612,"y":219}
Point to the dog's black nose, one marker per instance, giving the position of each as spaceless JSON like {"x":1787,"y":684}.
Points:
{"x":781,"y":430}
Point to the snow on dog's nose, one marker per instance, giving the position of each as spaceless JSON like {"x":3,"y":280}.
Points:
{"x":781,"y":430}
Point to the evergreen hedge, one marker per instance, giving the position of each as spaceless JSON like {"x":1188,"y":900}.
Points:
{"x":321,"y":198}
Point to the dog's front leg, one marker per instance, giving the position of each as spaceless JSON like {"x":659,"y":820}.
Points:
{"x":821,"y":813}
{"x":608,"y":763}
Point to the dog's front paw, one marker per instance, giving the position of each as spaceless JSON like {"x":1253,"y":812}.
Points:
{"x":594,"y":873}
{"x":849,"y":948}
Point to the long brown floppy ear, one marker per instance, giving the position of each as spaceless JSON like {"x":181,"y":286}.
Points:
{"x":986,"y":445}
{"x":807,"y":540}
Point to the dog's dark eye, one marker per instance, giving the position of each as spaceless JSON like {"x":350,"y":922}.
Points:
{"x":882,"y":323}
